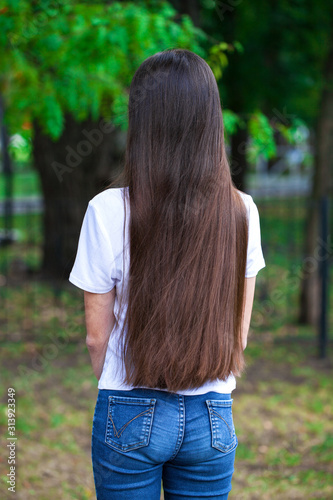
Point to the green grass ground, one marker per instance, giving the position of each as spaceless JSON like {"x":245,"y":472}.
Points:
{"x":282,"y":405}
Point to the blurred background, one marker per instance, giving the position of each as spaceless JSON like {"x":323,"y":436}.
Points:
{"x":66,"y":67}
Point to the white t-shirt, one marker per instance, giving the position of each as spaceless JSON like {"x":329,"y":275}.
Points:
{"x":102,"y":252}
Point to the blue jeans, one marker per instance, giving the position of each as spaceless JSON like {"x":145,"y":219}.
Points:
{"x":144,"y":436}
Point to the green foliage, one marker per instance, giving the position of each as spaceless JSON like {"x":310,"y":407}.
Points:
{"x":20,"y":149}
{"x":79,"y":58}
{"x":261,"y":133}
{"x":285,"y":47}
{"x":217,"y":58}
{"x":262,"y":137}
{"x":294,"y":133}
{"x":231,"y":122}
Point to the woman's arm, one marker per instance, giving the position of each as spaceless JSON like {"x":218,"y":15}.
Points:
{"x":99,"y":324}
{"x":249,"y":295}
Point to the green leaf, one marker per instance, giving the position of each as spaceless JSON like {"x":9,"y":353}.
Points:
{"x":231,"y":122}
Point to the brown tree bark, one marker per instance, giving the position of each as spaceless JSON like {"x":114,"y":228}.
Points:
{"x":72,"y":170}
{"x":322,"y":185}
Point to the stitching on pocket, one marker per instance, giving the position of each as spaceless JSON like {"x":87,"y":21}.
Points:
{"x":121,"y":430}
{"x":226,"y":423}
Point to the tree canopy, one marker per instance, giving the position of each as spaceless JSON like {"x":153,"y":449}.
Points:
{"x":79,"y":58}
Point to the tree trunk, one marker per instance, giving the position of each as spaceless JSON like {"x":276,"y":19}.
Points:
{"x":72,"y":170}
{"x":322,"y":185}
{"x":238,"y":161}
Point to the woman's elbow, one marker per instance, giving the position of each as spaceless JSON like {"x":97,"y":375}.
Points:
{"x":94,"y":341}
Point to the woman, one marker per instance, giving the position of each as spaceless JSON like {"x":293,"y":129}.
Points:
{"x":168,"y":263}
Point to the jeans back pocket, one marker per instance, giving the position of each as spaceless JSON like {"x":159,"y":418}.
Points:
{"x":129,"y":422}
{"x":222,"y":426}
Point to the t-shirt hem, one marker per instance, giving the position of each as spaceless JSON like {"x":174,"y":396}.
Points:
{"x":222,"y":389}
{"x":254,"y":273}
{"x":80,"y":284}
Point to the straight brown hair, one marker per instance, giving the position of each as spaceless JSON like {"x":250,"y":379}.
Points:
{"x":188,"y":230}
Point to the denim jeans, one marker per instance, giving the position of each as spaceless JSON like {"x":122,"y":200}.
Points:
{"x":144,"y":436}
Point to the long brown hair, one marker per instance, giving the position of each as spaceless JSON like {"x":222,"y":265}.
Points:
{"x":188,"y":230}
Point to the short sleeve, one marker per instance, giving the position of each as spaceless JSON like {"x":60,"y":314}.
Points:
{"x":255,"y":259}
{"x":94,"y":263}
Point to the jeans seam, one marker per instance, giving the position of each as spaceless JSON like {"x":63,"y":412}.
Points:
{"x":181,"y":428}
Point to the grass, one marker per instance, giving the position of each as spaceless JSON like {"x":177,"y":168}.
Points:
{"x":282,"y":404}
{"x":283,"y":413}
